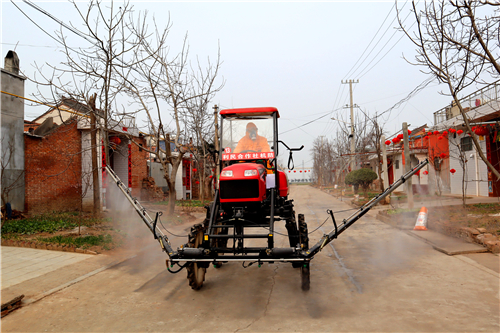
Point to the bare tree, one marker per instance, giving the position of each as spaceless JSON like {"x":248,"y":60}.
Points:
{"x":166,"y":84}
{"x":200,"y":123}
{"x":458,"y":45}
{"x":92,"y":74}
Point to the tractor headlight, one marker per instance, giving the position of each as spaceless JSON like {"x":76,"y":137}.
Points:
{"x":249,"y":173}
{"x":227,"y":173}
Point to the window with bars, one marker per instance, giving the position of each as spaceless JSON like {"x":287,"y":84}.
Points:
{"x":466,"y":143}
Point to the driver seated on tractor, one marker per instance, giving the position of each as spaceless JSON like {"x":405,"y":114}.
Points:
{"x":252,"y":142}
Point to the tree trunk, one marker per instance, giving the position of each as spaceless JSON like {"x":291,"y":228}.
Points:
{"x":95,"y":169}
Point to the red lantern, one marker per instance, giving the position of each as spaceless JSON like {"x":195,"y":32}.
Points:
{"x":453,"y":171}
{"x":197,"y":182}
{"x":116,"y":140}
{"x":409,"y":132}
{"x":445,"y":133}
{"x":210,"y":176}
{"x":436,"y":132}
{"x":300,"y":171}
{"x":481,"y":130}
{"x":440,"y":138}
{"x":417,"y":173}
{"x":452,"y":130}
{"x":459,"y":132}
{"x":289,"y":171}
{"x":425,"y":172}
{"x":294,"y":171}
{"x":388,"y":142}
{"x":442,"y":155}
{"x":400,"y":136}
{"x":194,"y":169}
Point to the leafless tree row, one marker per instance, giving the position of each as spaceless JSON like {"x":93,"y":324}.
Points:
{"x":129,"y":69}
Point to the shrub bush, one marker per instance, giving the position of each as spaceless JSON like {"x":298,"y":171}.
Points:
{"x":361,"y":177}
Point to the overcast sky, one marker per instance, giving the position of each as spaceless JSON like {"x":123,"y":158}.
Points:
{"x":289,"y":55}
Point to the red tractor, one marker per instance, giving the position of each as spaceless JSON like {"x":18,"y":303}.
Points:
{"x":251,"y":197}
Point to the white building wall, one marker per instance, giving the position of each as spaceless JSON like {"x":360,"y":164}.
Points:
{"x":179,"y":189}
{"x":474,"y":185}
{"x":398,"y":172}
{"x":120,"y":161}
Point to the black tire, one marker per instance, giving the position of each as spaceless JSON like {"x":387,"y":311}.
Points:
{"x":303,"y":233}
{"x":305,"y":273}
{"x":195,"y":271}
{"x":305,"y":276}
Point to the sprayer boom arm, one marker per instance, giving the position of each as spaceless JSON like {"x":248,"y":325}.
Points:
{"x":327,"y":238}
{"x":150,"y":223}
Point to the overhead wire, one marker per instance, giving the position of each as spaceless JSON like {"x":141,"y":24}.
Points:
{"x":375,"y":46}
{"x":363,"y":73}
{"x":307,"y":123}
{"x":373,"y":38}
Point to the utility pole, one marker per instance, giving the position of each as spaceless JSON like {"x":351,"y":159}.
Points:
{"x":408,"y":184}
{"x":384,"y":165}
{"x":352,"y":105}
{"x":216,"y":119}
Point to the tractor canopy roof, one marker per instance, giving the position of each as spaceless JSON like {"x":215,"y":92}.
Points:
{"x":248,"y":112}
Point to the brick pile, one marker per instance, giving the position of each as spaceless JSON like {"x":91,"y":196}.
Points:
{"x":480,"y":236}
{"x":151,"y":192}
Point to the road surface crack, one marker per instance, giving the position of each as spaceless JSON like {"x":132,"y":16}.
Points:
{"x":267,"y":303}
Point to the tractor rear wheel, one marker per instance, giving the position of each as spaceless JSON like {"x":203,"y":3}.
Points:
{"x":305,"y":273}
{"x":196,"y":271}
{"x":303,"y":233}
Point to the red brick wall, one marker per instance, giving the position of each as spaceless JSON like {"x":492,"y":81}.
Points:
{"x":53,"y":170}
{"x":139,"y":167}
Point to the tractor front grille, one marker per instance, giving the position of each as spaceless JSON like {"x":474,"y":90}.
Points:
{"x":239,"y":189}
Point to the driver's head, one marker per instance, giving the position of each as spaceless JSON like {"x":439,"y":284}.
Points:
{"x":252,"y":131}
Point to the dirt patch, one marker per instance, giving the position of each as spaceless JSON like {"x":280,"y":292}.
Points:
{"x":478,"y":223}
{"x":110,"y":233}
{"x":449,"y":219}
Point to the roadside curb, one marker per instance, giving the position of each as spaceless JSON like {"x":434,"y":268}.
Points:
{"x":443,"y":249}
{"x":477,"y":265}
{"x":35,"y":299}
{"x":44,"y":246}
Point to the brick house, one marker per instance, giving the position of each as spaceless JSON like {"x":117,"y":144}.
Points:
{"x":58,"y":159}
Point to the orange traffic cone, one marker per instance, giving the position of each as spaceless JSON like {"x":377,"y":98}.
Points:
{"x":421,"y":220}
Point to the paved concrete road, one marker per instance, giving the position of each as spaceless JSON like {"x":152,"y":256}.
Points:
{"x":373,"y":278}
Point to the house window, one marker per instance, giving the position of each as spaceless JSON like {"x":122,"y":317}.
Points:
{"x":466,"y":143}
{"x":396,"y":164}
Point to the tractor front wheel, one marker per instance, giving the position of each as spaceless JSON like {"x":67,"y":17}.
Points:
{"x":196,"y":271}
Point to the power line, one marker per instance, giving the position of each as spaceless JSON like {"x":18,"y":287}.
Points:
{"x":309,"y":122}
{"x":73,"y":30}
{"x":373,"y":38}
